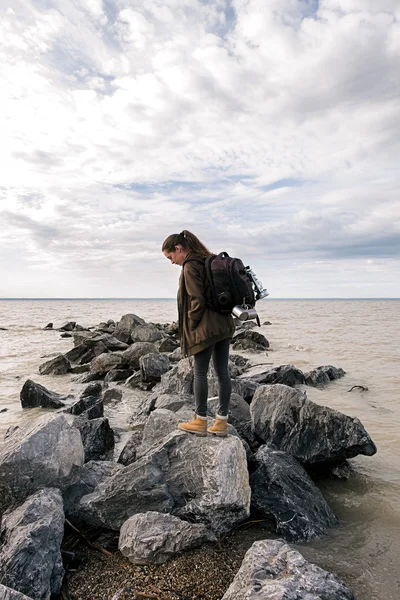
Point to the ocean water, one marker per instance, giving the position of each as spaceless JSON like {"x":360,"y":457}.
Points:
{"x":361,"y":336}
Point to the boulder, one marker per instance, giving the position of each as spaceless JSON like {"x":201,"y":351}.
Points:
{"x":129,"y":451}
{"x":323,"y":375}
{"x":160,"y":423}
{"x":30,"y":555}
{"x":239,"y":415}
{"x":146,"y":333}
{"x":7,"y":593}
{"x":69,"y":326}
{"x":117,"y":375}
{"x":239,"y":361}
{"x":66,"y":335}
{"x":132,"y":355}
{"x":245,"y":388}
{"x":201,"y":480}
{"x":168,"y":344}
{"x":249,"y":340}
{"x":272,"y":569}
{"x":79,"y":369}
{"x":125,"y":327}
{"x":282,"y":491}
{"x":56,"y":366}
{"x":176,"y":355}
{"x":76,"y":353}
{"x":284,"y":418}
{"x":90,"y":476}
{"x":33,"y":395}
{"x":111,"y":395}
{"x":152,"y":366}
{"x":286,"y":374}
{"x":46,"y":452}
{"x":154,"y":538}
{"x":97,"y":438}
{"x":105,"y":362}
{"x":89,"y":402}
{"x":109,"y":341}
{"x":178,"y":380}
{"x":48,"y":326}
{"x":174,"y":402}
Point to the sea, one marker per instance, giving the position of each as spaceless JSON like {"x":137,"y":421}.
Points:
{"x":360,"y":336}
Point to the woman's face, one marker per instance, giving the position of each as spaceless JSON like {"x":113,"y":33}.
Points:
{"x":176,"y":257}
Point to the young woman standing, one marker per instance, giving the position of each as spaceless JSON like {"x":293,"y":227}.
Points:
{"x":203,"y":332}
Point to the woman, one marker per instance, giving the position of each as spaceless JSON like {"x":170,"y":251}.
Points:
{"x":203,"y":332}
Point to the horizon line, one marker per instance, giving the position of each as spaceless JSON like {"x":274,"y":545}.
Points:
{"x":174,"y":298}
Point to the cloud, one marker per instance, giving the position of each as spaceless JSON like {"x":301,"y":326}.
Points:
{"x":270,"y":129}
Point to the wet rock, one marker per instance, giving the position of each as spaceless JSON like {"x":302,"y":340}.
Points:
{"x":70,"y":326}
{"x":125,"y":327}
{"x":178,"y":380}
{"x":7,"y":593}
{"x":44,"y":452}
{"x":152,"y":366}
{"x":56,"y":366}
{"x":97,"y":438}
{"x":109,"y":341}
{"x":272,"y":569}
{"x":282,"y":491}
{"x":105,"y":362}
{"x":33,"y":395}
{"x":285,"y":418}
{"x":30,"y":556}
{"x":131,"y":356}
{"x":66,"y":335}
{"x":76,"y":353}
{"x":285,"y":374}
{"x":323,"y":375}
{"x":90,"y":402}
{"x":111,"y":395}
{"x":79,"y":369}
{"x":154,"y":538}
{"x":90,"y":476}
{"x":48,"y":326}
{"x":117,"y":375}
{"x":248,"y":340}
{"x":145,"y":333}
{"x":168,"y":344}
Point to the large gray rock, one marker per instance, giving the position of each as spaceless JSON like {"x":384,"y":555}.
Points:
{"x":110,"y":342}
{"x":244,"y":388}
{"x":132,"y":355}
{"x":97,"y":438}
{"x":202,"y":480}
{"x":323,"y":375}
{"x":249,"y":340}
{"x":105,"y":362}
{"x":125,"y":327}
{"x":33,"y":395}
{"x":239,"y":416}
{"x":90,"y":476}
{"x":59,"y":365}
{"x":168,"y":344}
{"x":273,"y":570}
{"x":285,"y":374}
{"x":178,"y":380}
{"x":145,"y":333}
{"x":7,"y":593}
{"x":282,"y":491}
{"x":152,"y":366}
{"x":47,"y":452}
{"x":284,"y":418}
{"x":160,"y":423}
{"x":90,"y":402}
{"x":129,"y":451}
{"x":174,"y":402}
{"x":154,"y":538}
{"x":30,"y":555}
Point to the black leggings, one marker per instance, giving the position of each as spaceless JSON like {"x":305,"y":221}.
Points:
{"x":220,"y":354}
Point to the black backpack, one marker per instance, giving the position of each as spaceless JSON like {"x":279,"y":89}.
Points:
{"x":229,"y":284}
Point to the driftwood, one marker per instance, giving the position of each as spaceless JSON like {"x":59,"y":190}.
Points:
{"x":87,"y":541}
{"x":360,"y":387}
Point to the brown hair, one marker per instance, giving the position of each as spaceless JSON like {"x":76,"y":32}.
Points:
{"x":188,"y":241}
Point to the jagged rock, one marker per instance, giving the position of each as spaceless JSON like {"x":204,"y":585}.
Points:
{"x":112,"y":394}
{"x":174,"y":402}
{"x":176,"y":355}
{"x":168,"y":344}
{"x":90,"y":476}
{"x":129,"y":451}
{"x":286,"y":374}
{"x":48,"y":326}
{"x":244,"y":388}
{"x":154,"y":538}
{"x":161,"y":422}
{"x":44,"y":452}
{"x":117,"y":375}
{"x":249,"y":340}
{"x":79,"y":369}
{"x":239,"y":361}
{"x":97,"y":437}
{"x":80,"y":337}
{"x":76,"y":353}
{"x":198,"y":479}
{"x":125,"y":327}
{"x":33,"y":394}
{"x":90,"y":402}
{"x":323,"y":375}
{"x":66,"y":335}
{"x":239,"y":416}
{"x":56,"y":366}
{"x":105,"y":362}
{"x":68,"y":326}
{"x":7,"y":593}
{"x":272,"y":569}
{"x":136,"y":381}
{"x":173,"y":328}
{"x":178,"y":380}
{"x":30,"y":556}
{"x":145,"y":333}
{"x":109,"y":341}
{"x":131,"y":356}
{"x":285,"y":418}
{"x":282,"y":491}
{"x":152,"y":366}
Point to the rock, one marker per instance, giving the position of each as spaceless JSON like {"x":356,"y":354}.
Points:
{"x":178,"y":380}
{"x":117,"y":375}
{"x":105,"y":362}
{"x":129,"y":451}
{"x":272,"y":569}
{"x":131,"y":356}
{"x":44,"y":452}
{"x":239,"y":361}
{"x":245,"y":388}
{"x":161,"y":422}
{"x":174,"y":402}
{"x":56,"y":366}
{"x":249,"y":339}
{"x":90,"y":476}
{"x":198,"y":479}
{"x":168,"y":344}
{"x":136,"y":381}
{"x":80,"y":337}
{"x":7,"y":593}
{"x":286,"y":374}
{"x":176,"y":355}
{"x":154,"y":538}
{"x":30,"y":556}
{"x":79,"y":369}
{"x":284,"y":418}
{"x":97,"y":438}
{"x":109,"y":341}
{"x":112,"y":394}
{"x":125,"y":327}
{"x":68,"y":326}
{"x":173,"y":328}
{"x":48,"y":326}
{"x":90,"y":402}
{"x":145,"y":333}
{"x":323,"y":375}
{"x":152,"y":366}
{"x":267,"y":323}
{"x":33,"y":394}
{"x":91,"y":353}
{"x":239,"y":416}
{"x":282,"y":491}
{"x":76,"y":353}
{"x":66,"y":335}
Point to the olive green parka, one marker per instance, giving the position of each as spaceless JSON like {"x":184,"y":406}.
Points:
{"x":199,"y":325}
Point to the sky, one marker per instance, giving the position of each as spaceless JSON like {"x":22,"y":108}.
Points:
{"x":269,"y":128}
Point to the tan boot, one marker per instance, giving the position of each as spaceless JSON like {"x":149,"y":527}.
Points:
{"x":198,"y":426}
{"x":219,"y":427}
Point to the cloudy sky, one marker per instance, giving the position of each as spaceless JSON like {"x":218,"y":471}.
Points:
{"x":269,"y":128}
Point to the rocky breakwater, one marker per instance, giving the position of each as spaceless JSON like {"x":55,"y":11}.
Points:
{"x":168,"y":491}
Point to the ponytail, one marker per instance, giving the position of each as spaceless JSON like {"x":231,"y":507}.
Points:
{"x":188,"y":241}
